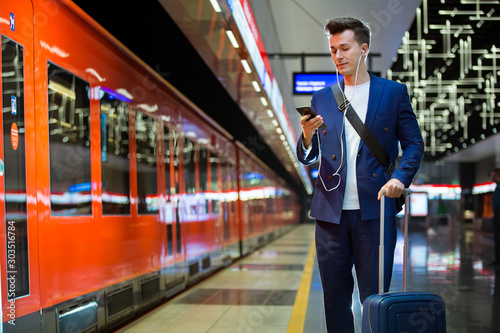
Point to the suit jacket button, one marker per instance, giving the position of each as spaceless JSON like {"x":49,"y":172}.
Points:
{"x":330,"y":177}
{"x":373,"y":155}
{"x":374,"y":175}
{"x":385,"y":129}
{"x":324,"y":132}
{"x":334,"y":157}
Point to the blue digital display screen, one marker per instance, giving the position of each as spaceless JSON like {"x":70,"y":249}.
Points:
{"x":308,"y":83}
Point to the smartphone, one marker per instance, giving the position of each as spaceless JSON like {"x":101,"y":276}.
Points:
{"x":307,"y":110}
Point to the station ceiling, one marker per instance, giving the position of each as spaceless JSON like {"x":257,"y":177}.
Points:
{"x":443,"y":50}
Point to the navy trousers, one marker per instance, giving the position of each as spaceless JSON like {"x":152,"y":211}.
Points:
{"x":338,"y":247}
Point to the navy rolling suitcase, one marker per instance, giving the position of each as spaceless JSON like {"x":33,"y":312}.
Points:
{"x":401,"y":312}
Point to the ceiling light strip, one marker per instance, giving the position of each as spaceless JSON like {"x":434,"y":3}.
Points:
{"x":232,"y":39}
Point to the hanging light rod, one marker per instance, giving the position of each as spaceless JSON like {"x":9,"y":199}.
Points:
{"x":460,"y":12}
{"x":479,"y":2}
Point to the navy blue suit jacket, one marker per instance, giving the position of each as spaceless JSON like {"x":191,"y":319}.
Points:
{"x":391,"y":120}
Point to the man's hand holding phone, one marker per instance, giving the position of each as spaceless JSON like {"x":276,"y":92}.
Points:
{"x":310,"y":122}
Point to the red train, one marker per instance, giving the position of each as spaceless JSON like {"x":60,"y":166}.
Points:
{"x":116,"y":191}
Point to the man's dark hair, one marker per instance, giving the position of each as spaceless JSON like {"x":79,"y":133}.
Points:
{"x":495,"y":170}
{"x":362,"y":32}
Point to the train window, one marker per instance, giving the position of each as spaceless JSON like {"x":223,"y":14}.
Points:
{"x":214,"y":181}
{"x":232,"y":183}
{"x":69,"y":143}
{"x":176,"y":144}
{"x":202,"y":167}
{"x":189,"y":165}
{"x":225,"y":220}
{"x":269,"y":205}
{"x":178,"y":231}
{"x":147,"y":175}
{"x":168,"y":154}
{"x":214,"y":172}
{"x":14,"y":168}
{"x":202,"y":172}
{"x":232,"y":176}
{"x":115,"y":167}
{"x":170,"y":245}
{"x":224,"y":165}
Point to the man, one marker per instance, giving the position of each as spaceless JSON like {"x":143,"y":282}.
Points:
{"x":495,"y":177}
{"x":350,"y":181}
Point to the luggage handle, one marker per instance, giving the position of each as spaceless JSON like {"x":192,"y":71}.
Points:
{"x":381,"y":261}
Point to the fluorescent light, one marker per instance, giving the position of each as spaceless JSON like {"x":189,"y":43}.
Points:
{"x":270,"y":113}
{"x":264,"y":101}
{"x":256,"y":86}
{"x":246,"y":66}
{"x":125,"y":93}
{"x":231,"y":37}
{"x":283,"y":137}
{"x":275,"y":123}
{"x":278,"y":130}
{"x":148,"y":108}
{"x":216,"y":6}
{"x":59,"y":88}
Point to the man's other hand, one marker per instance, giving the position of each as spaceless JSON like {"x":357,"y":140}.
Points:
{"x":393,"y":189}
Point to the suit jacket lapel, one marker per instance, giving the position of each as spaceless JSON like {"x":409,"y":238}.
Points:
{"x":376,"y":90}
{"x":337,"y":115}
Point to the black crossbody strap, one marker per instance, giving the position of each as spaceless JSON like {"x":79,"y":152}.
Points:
{"x":364,"y":133}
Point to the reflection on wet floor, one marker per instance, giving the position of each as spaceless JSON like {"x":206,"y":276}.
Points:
{"x":452,"y":261}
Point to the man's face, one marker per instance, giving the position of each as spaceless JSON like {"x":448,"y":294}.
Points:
{"x":495,"y":176}
{"x":346,"y":52}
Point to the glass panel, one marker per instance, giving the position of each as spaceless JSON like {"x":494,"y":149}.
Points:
{"x":178,"y":229}
{"x":232,"y":183}
{"x":226,"y":220}
{"x":214,"y":181}
{"x":232,"y":176}
{"x":69,"y":142}
{"x":170,"y":248}
{"x":147,"y":176}
{"x":168,"y":154}
{"x":176,"y":143}
{"x":224,"y":166}
{"x":202,"y":167}
{"x":214,"y":172}
{"x":269,"y":205}
{"x":115,"y":167}
{"x":16,"y":228}
{"x":189,"y":165}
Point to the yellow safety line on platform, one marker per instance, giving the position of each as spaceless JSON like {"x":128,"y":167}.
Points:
{"x":296,"y":324}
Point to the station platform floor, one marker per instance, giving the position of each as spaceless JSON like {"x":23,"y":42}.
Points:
{"x":277,"y":289}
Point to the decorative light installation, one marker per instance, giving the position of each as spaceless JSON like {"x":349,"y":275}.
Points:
{"x":448,"y":60}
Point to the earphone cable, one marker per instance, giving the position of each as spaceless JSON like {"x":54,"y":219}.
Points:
{"x":336,"y":173}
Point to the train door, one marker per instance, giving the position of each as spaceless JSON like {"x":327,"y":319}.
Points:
{"x":215,"y":201}
{"x":20,"y":296}
{"x":226,"y":231}
{"x":230,"y":228}
{"x":175,"y":266}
